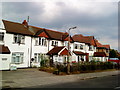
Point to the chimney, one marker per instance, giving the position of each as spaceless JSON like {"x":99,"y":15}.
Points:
{"x":25,"y":23}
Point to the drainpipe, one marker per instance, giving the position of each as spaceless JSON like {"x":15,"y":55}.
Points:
{"x":31,"y":52}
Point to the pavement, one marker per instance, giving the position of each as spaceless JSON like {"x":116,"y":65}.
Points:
{"x":31,"y":77}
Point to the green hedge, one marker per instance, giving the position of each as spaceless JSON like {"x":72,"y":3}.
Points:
{"x":87,"y":66}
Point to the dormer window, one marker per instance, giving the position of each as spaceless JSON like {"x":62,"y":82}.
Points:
{"x":1,"y":36}
{"x":20,"y":39}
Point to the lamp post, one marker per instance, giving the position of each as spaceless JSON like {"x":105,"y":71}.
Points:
{"x":68,"y":63}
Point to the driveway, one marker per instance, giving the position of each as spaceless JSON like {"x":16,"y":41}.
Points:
{"x":19,"y":77}
{"x":24,"y":73}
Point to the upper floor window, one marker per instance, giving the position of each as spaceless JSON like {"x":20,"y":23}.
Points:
{"x":17,"y":58}
{"x":66,"y":43}
{"x":41,"y":41}
{"x":81,"y":46}
{"x":2,"y":36}
{"x":19,"y":39}
{"x":76,"y":46}
{"x":54,"y":43}
{"x":90,"y":48}
{"x":107,"y":51}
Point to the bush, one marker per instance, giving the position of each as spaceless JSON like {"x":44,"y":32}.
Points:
{"x":62,"y":68}
{"x":74,"y":68}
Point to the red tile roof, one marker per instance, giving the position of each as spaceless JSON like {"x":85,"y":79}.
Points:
{"x":4,"y":49}
{"x":99,"y":54}
{"x":24,"y":28}
{"x":79,"y":53}
{"x":13,"y":27}
{"x":99,"y":45}
{"x":84,"y":39}
{"x":57,"y":50}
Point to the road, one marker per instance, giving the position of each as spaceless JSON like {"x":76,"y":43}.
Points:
{"x":112,"y":81}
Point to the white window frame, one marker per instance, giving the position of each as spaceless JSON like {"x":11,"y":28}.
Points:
{"x":2,"y":36}
{"x":66,"y":43}
{"x":20,"y":39}
{"x":75,"y":45}
{"x":81,"y":47}
{"x":42,"y":41}
{"x":90,"y":48}
{"x":17,"y":54}
{"x":37,"y":57}
{"x":54,"y":43}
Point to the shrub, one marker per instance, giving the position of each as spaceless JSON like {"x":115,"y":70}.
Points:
{"x":74,"y":68}
{"x":62,"y":68}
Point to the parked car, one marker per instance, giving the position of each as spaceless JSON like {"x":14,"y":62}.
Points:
{"x":116,"y":60}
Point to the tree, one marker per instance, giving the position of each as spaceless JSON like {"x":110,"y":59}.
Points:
{"x":113,"y":53}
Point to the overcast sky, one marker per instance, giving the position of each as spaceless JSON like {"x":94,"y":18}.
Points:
{"x":92,"y":17}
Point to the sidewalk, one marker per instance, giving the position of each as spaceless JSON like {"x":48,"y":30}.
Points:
{"x":52,"y":79}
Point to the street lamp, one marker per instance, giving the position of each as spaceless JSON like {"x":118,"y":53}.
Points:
{"x":68,"y":63}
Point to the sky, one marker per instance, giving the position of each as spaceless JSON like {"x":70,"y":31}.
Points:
{"x":97,"y":18}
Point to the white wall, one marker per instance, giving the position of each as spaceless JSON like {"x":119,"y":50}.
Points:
{"x":60,"y":43}
{"x":25,"y":48}
{"x":80,"y":50}
{"x":4,"y":61}
{"x":38,"y":49}
{"x":102,"y":59}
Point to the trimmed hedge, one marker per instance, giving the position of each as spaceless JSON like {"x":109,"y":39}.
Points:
{"x":86,"y":66}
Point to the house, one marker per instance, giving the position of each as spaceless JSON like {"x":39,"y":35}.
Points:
{"x":28,"y":43}
{"x":18,"y":39}
{"x":26,"y":46}
{"x":4,"y":57}
{"x":83,"y":47}
{"x":102,"y":52}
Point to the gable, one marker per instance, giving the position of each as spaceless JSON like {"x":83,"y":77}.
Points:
{"x":43,"y":34}
{"x":64,"y":52}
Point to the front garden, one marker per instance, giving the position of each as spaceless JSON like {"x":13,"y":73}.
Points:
{"x":81,"y":67}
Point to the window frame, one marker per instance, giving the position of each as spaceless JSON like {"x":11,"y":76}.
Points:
{"x":18,"y":39}
{"x":81,"y":46}
{"x":41,"y":41}
{"x":20,"y":55}
{"x":2,"y":36}
{"x":54,"y":43}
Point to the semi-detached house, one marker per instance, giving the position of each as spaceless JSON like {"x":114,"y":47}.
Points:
{"x":23,"y":45}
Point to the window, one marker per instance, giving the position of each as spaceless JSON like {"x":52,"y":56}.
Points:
{"x":54,"y":43}
{"x":90,"y":48}
{"x":19,"y":39}
{"x":2,"y":36}
{"x":66,"y":43}
{"x":82,"y":58}
{"x":17,"y":58}
{"x":75,"y":46}
{"x":41,"y":41}
{"x":107,"y":51}
{"x":81,"y":46}
{"x":38,"y":57}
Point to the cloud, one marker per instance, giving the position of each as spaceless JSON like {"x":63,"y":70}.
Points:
{"x":92,"y":17}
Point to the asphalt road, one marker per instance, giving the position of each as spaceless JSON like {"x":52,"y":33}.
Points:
{"x":96,"y":82}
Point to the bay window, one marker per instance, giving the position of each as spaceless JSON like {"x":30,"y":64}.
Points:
{"x":41,"y":41}
{"x":17,"y":58}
